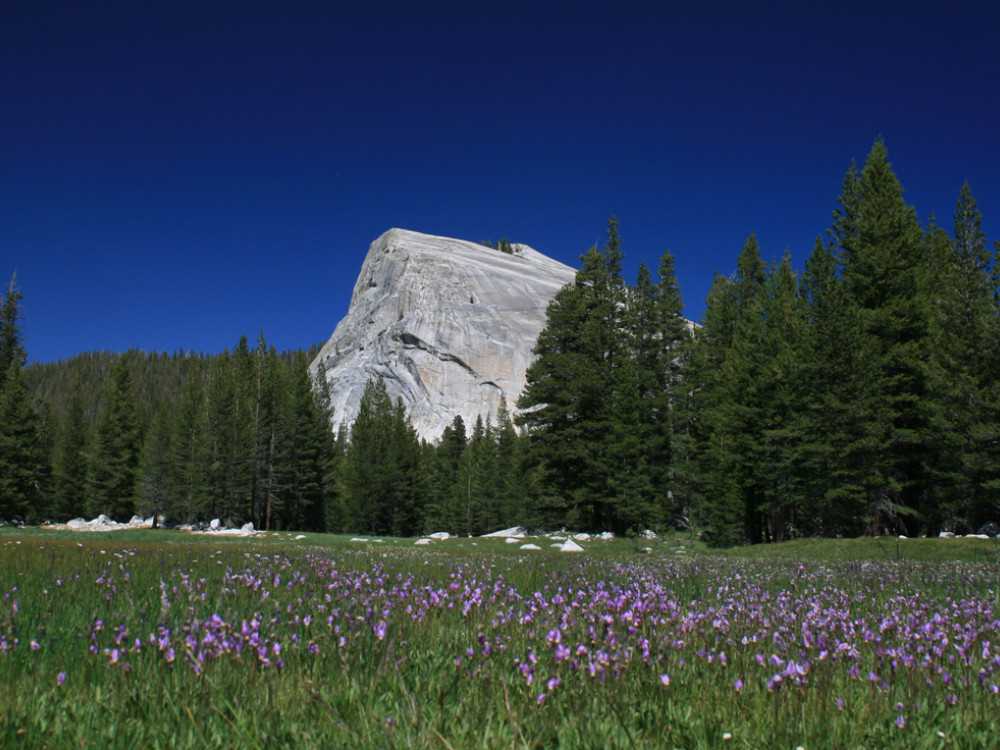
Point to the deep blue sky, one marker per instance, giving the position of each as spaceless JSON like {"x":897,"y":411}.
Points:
{"x":174,"y":175}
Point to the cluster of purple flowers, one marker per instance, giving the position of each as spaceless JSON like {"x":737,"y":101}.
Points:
{"x":752,"y":626}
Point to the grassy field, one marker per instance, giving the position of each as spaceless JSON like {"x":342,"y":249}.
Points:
{"x":164,"y":639}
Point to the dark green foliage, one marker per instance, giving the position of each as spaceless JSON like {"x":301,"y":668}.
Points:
{"x":597,"y":403}
{"x":571,"y":398}
{"x":114,"y":459}
{"x":69,"y":460}
{"x":380,"y":477}
{"x":241,"y":436}
{"x":821,"y":425}
{"x":728,"y":363}
{"x":964,"y":370}
{"x":884,"y":265}
{"x":504,"y":245}
{"x":22,"y":467}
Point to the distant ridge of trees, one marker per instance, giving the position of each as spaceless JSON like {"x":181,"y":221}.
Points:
{"x":859,"y":396}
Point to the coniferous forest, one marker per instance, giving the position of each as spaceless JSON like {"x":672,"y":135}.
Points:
{"x":858,"y":396}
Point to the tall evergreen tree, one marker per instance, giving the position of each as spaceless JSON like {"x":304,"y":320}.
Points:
{"x":117,"y":442}
{"x":884,"y":265}
{"x":308,"y":449}
{"x":570,"y":399}
{"x":69,"y":462}
{"x":726,"y":363}
{"x":780,"y":397}
{"x":964,"y":369}
{"x":189,"y":456}
{"x":823,"y":425}
{"x":157,"y":494}
{"x":22,"y":465}
{"x":516,"y":478}
{"x":379,"y":478}
{"x":446,"y":510}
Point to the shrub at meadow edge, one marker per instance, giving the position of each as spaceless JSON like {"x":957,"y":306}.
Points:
{"x":225,"y":643}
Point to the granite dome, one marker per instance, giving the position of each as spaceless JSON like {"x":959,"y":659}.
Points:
{"x":449,"y":325}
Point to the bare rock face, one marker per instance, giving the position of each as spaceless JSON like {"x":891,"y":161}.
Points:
{"x":448,"y":325}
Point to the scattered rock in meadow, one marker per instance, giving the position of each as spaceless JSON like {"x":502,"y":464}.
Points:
{"x":424,"y":541}
{"x":514,"y":531}
{"x":570,"y":546}
{"x":439,"y":535}
{"x":529,"y":546}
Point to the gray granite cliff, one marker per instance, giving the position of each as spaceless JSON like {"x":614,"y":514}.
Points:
{"x":449,"y":325}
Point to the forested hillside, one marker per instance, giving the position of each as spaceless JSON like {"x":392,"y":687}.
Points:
{"x":861,"y":395}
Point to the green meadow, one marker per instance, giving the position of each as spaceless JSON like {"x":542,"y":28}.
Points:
{"x":161,"y":639}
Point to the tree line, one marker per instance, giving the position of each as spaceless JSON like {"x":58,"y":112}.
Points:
{"x":860,"y":395}
{"x":240,"y":436}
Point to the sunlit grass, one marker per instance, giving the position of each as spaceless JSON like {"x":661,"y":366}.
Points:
{"x":165,"y":639}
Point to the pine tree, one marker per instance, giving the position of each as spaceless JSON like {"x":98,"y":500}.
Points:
{"x":379,"y":477}
{"x":448,"y":509}
{"x":157,"y":490}
{"x":22,"y":466}
{"x":884,"y":265}
{"x":823,"y":427}
{"x":964,"y":369}
{"x":726,"y":365}
{"x":308,"y":449}
{"x":226,"y":442}
{"x":569,"y":402}
{"x":666,"y":443}
{"x":780,"y":397}
{"x":69,"y":462}
{"x":516,"y":481}
{"x":117,"y":443}
{"x":189,"y":456}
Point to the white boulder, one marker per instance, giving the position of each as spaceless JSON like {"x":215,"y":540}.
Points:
{"x":570,"y":546}
{"x":512,"y":532}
